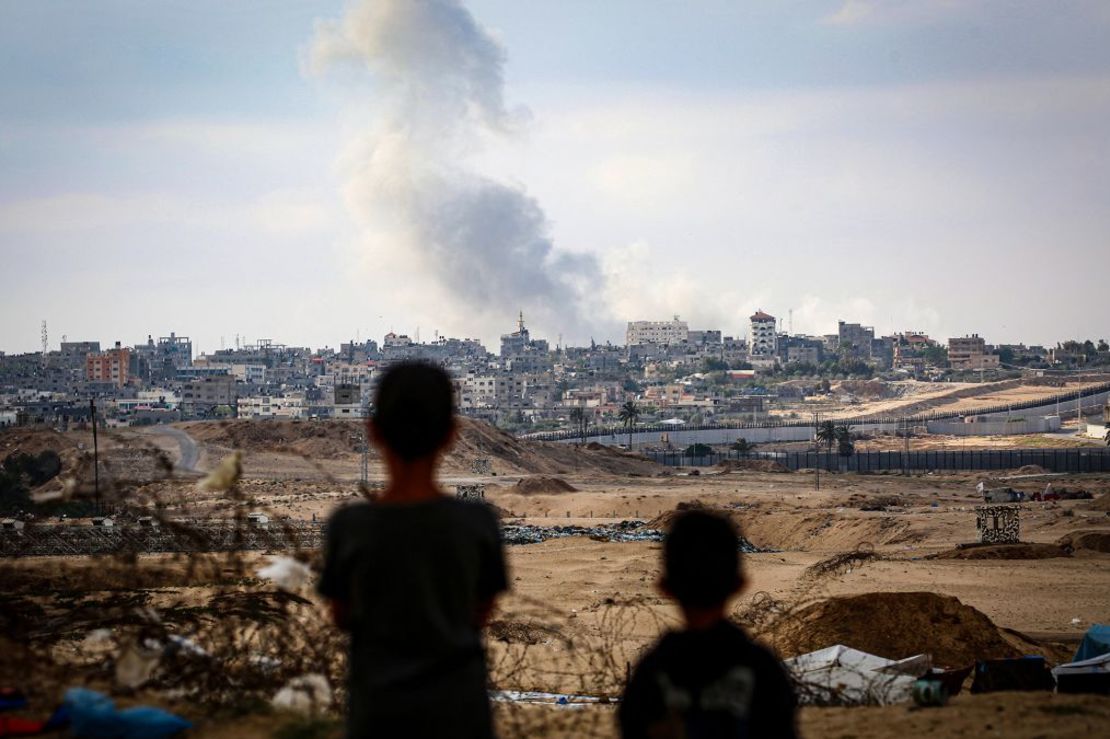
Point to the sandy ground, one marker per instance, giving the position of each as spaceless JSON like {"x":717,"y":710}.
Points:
{"x":580,"y":610}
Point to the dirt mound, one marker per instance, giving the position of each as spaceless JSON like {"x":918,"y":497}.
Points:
{"x":511,"y":455}
{"x":751,"y":465}
{"x":336,"y":439}
{"x":663,"y":521}
{"x":1021,"y":550}
{"x":330,"y":439}
{"x":1101,"y":503}
{"x":33,"y":440}
{"x":893,"y":625}
{"x":521,"y":632}
{"x":1092,"y":541}
{"x":540,"y":484}
{"x":1031,"y":469}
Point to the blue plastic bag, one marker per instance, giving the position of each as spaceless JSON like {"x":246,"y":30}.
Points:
{"x":94,"y":715}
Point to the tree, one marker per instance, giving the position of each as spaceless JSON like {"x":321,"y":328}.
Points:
{"x":741,"y":445}
{"x":712,"y":364}
{"x":826,"y":433}
{"x":698,"y":450}
{"x":581,"y":422}
{"x":630,"y":413}
{"x":844,"y":445}
{"x":935,"y":356}
{"x":1106,"y":436}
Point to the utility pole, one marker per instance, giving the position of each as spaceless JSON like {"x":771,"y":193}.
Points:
{"x":96,"y":457}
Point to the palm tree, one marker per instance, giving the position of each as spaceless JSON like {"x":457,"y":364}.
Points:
{"x":578,"y":418}
{"x":844,"y":445}
{"x":629,"y":414}
{"x":826,"y":432}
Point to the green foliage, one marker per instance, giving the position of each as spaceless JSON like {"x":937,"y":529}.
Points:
{"x":698,"y":450}
{"x":936,"y":356}
{"x":741,"y":445}
{"x":826,"y":434}
{"x":712,"y":364}
{"x":20,"y":472}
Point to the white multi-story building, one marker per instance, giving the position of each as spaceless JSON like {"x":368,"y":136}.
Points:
{"x":762,"y":341}
{"x":656,"y":332}
{"x":292,"y":405}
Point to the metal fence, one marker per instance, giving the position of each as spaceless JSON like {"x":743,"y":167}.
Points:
{"x":1053,"y":460}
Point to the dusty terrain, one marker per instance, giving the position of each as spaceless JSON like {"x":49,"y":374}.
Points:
{"x":581,"y":609}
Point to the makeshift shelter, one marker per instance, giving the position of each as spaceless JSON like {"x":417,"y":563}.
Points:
{"x":1084,"y":676}
{"x":1096,"y":642}
{"x":840,"y":675}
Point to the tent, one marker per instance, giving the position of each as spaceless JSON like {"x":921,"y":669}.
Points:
{"x":840,"y":675}
{"x":1084,"y":676}
{"x":1095,"y":642}
{"x":673,"y":422}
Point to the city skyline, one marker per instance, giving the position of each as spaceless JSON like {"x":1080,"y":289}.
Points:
{"x":220,"y":169}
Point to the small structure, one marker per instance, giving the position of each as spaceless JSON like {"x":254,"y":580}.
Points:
{"x":470,"y":492}
{"x":480,"y":466}
{"x":148,"y":522}
{"x":259,"y":520}
{"x":11,"y":524}
{"x":998,"y":524}
{"x":103,"y":522}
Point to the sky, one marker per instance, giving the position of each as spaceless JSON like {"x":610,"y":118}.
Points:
{"x":319,"y":171}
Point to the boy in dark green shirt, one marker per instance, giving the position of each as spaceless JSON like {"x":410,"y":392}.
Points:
{"x":413,"y":576}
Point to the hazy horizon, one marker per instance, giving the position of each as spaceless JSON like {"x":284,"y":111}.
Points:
{"x":311,"y":171}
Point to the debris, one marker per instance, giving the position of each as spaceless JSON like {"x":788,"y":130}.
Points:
{"x":95,"y":716}
{"x":137,"y":663}
{"x":843,"y":676}
{"x":305,"y":694}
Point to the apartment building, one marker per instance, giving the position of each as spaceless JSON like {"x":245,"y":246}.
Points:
{"x":762,"y":338}
{"x":112,"y":366}
{"x":970,"y":353}
{"x":657,"y":332}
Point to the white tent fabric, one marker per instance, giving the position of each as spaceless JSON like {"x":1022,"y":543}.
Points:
{"x":1093,"y":666}
{"x":673,"y":422}
{"x":842,"y":675}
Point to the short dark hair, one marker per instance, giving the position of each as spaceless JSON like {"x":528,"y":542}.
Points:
{"x":414,"y":409}
{"x":701,"y":559}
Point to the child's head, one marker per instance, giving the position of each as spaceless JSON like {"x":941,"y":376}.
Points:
{"x":701,"y":560}
{"x":414,"y":410}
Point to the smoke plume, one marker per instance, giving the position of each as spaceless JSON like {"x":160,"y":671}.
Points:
{"x":470,"y":244}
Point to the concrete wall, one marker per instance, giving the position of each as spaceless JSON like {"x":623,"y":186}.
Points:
{"x":1096,"y":430}
{"x":1040,"y":425}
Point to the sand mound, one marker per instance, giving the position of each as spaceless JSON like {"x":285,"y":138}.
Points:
{"x":1021,"y":550}
{"x":1092,"y":541}
{"x":319,"y":439}
{"x":1101,"y":503}
{"x":522,"y":632}
{"x":751,"y":465}
{"x":541,"y":484}
{"x":663,"y":521}
{"x":893,"y":625}
{"x":510,"y":455}
{"x":1031,"y":469}
{"x":33,"y":440}
{"x":336,"y":439}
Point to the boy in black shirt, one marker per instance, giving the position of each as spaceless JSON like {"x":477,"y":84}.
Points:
{"x":709,"y":680}
{"x":413,"y":576}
